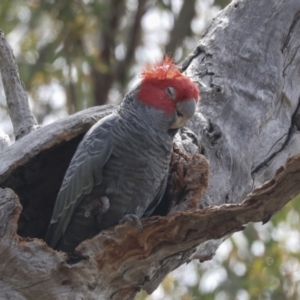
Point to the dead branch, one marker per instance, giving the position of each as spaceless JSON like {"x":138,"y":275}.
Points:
{"x":17,"y":101}
{"x":117,"y":260}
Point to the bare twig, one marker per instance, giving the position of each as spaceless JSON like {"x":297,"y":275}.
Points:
{"x":21,"y":116}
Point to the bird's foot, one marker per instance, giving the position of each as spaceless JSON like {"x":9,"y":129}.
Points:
{"x":105,"y":205}
{"x":98,"y":206}
{"x":134,"y":220}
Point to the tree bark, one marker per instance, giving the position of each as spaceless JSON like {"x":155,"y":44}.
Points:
{"x":247,"y":66}
{"x":120,"y":261}
{"x":20,"y":114}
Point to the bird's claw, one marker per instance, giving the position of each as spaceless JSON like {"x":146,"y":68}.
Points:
{"x":105,"y":205}
{"x":134,"y":220}
{"x":97,"y":207}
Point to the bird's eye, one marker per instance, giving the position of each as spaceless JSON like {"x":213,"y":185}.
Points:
{"x":171,"y":92}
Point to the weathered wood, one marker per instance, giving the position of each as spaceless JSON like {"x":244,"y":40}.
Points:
{"x":121,"y":260}
{"x":17,"y":101}
{"x":248,"y":66}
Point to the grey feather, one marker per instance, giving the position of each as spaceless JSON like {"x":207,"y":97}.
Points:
{"x":160,"y":193}
{"x":124,"y":157}
{"x":85,"y":171}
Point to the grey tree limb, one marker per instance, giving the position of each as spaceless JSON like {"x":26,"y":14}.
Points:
{"x":249,"y":94}
{"x":121,"y":260}
{"x":248,"y":66}
{"x":17,"y":101}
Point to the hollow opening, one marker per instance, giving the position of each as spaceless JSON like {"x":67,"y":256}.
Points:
{"x":37,"y":183}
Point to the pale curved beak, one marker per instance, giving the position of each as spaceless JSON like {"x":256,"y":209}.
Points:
{"x":185,"y":110}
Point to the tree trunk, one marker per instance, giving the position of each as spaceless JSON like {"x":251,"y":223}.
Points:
{"x":247,"y":66}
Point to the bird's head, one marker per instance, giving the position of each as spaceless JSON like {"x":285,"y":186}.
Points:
{"x":165,"y":88}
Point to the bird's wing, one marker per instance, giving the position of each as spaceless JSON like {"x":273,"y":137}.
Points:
{"x":84,"y":172}
{"x":160,"y":193}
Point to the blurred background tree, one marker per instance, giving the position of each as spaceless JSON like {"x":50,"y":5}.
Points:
{"x":81,"y":53}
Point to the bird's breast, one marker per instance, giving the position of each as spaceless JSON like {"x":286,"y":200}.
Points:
{"x":137,"y":166}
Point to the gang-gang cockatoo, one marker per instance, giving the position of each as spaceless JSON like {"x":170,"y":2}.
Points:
{"x":119,"y":171}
